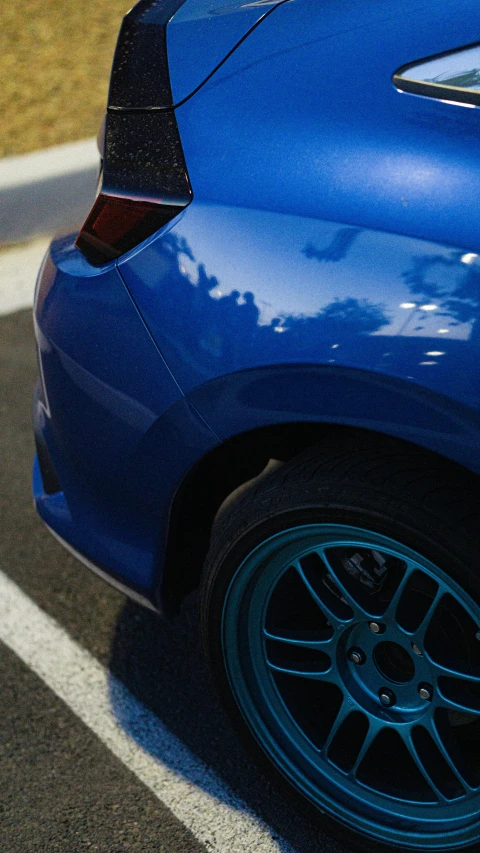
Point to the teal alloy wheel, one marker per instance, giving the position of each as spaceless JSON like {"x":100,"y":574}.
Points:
{"x":354,"y":661}
{"x":353,"y":690}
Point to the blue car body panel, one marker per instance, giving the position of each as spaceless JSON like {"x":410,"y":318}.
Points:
{"x":207,"y":30}
{"x":119,"y":431}
{"x":304,"y":119}
{"x":326,"y":271}
{"x":316,"y":293}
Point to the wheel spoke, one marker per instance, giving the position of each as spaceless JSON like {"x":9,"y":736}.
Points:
{"x":465,"y":703}
{"x":454,"y":765}
{"x":321,"y":642}
{"x":454,"y":690}
{"x":325,"y":599}
{"x":343,"y":712}
{"x":349,"y":739}
{"x":421,"y":765}
{"x":367,"y":743}
{"x":427,"y":618}
{"x":304,"y":659}
{"x":397,"y":595}
{"x":470,"y":674}
{"x":301,"y":673}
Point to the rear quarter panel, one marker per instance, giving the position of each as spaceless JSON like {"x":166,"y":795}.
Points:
{"x":333,"y":222}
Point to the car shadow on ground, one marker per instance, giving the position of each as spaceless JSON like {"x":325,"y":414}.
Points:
{"x":162,"y":664}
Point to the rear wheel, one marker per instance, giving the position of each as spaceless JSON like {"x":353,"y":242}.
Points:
{"x":341,"y":618}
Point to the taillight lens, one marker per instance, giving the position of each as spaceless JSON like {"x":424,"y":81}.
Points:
{"x":116,"y":224}
{"x":144,"y":183}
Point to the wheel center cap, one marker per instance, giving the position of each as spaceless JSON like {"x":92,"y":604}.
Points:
{"x":384,"y":675}
{"x":393,"y":662}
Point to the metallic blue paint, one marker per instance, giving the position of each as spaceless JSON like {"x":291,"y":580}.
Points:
{"x":263,"y":661}
{"x":207,"y":30}
{"x":294,"y":394}
{"x":304,"y":119}
{"x":119,"y":431}
{"x":249,"y":288}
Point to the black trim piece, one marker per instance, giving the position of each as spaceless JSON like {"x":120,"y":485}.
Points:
{"x":143,"y":157}
{"x":140,"y":67}
{"x":110,"y":578}
{"x":51,"y":483}
{"x":436,"y":90}
{"x":145,"y":182}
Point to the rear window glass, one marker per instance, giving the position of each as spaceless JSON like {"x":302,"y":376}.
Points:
{"x":453,"y":76}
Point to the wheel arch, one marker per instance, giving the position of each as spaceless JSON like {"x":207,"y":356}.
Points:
{"x":278,"y":412}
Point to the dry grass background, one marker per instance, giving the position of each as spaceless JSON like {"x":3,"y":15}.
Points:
{"x":55,"y":58}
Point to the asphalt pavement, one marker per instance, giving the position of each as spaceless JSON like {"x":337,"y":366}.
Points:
{"x":177,"y":780}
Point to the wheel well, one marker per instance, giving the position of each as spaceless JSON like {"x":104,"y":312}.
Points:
{"x":233,"y":464}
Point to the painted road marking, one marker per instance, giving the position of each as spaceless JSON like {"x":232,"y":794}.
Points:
{"x":192,"y":791}
{"x":18,"y":272}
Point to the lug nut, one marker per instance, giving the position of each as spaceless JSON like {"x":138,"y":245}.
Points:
{"x":425,"y":691}
{"x":356,"y":656}
{"x":387,"y":696}
{"x":416,"y":650}
{"x":375,"y":627}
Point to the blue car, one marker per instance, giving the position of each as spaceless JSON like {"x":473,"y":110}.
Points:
{"x":259,"y":378}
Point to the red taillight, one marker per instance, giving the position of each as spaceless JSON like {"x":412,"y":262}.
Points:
{"x":116,"y":224}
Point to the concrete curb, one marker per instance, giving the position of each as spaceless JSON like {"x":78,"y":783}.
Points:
{"x":49,"y":164}
{"x":47,"y":191}
{"x":19,"y":268}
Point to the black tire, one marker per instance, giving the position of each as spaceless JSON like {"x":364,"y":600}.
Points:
{"x":383,"y":486}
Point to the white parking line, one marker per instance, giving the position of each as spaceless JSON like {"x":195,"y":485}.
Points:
{"x":192,"y":792}
{"x":18,"y":272}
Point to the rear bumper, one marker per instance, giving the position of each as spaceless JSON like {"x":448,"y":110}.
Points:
{"x":53,"y":508}
{"x":114,"y":434}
